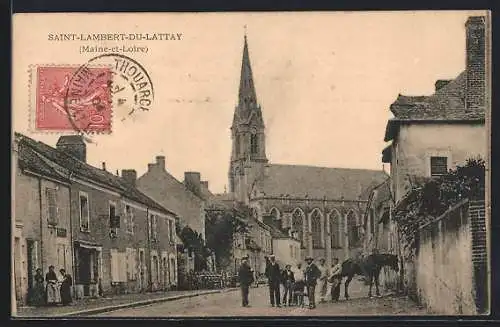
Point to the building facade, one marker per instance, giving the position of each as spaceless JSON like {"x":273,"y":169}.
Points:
{"x":432,"y":134}
{"x":114,"y":238}
{"x":323,"y":205}
{"x":184,"y":198}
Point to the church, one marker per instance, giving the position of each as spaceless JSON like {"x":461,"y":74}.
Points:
{"x":321,"y":207}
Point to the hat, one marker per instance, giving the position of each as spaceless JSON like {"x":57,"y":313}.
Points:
{"x":244,"y":257}
{"x":309,"y":258}
{"x":322,"y":259}
{"x":272,"y":256}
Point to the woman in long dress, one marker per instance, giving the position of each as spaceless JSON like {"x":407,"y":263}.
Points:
{"x":52,"y":291}
{"x":66,"y":284}
{"x":38,"y":292}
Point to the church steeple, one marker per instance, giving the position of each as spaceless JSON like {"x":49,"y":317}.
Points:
{"x":248,"y":155}
{"x":247,"y":96}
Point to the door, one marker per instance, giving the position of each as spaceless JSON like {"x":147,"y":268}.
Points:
{"x":172,"y":270}
{"x":142,"y":273}
{"x":17,"y":269}
{"x":165,"y":272}
{"x":84,"y":269}
{"x":31,"y":264}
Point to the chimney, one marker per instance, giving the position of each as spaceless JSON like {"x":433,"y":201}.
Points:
{"x":73,"y":145}
{"x":151,"y":166}
{"x":440,"y":83}
{"x":204,"y":184}
{"x":130,"y":176}
{"x":192,"y":182}
{"x":160,"y":162}
{"x":475,"y":63}
{"x":103,"y":166}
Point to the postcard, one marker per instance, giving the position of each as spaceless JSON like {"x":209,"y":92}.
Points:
{"x":251,"y":164}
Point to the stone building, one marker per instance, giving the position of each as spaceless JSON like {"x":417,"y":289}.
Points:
{"x":323,"y":205}
{"x":430,"y":135}
{"x":184,"y":198}
{"x":106,"y":231}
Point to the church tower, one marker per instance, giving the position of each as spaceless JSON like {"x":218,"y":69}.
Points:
{"x":248,"y":155}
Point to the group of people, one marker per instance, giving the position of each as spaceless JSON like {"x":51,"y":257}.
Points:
{"x":52,"y":289}
{"x":298,"y":282}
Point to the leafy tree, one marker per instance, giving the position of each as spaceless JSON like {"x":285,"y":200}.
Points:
{"x":221,"y":226}
{"x":193,"y":241}
{"x":432,"y":197}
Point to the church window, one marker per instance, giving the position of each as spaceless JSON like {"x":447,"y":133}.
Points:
{"x":275,"y":214}
{"x":238,"y":144}
{"x":298,"y":225}
{"x":334,"y":229}
{"x":253,"y":143}
{"x":316,"y":229}
{"x":353,"y":230}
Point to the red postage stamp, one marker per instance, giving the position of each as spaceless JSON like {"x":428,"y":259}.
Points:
{"x":67,"y":102}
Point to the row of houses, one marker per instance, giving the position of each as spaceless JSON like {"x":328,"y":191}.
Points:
{"x":115,"y":234}
{"x":429,"y":135}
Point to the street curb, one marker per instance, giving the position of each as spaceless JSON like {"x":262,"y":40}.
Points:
{"x":141,"y":303}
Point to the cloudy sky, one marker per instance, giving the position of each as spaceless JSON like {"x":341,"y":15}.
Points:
{"x":325,"y":82}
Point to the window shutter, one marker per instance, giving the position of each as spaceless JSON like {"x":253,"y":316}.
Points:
{"x":439,"y":166}
{"x":114,"y":266}
{"x":123,"y":267}
{"x":52,"y":206}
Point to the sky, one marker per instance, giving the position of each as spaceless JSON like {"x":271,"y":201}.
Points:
{"x":325,"y":82}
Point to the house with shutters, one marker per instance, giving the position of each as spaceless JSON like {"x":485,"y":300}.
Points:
{"x":113,"y":236}
{"x":431,"y":134}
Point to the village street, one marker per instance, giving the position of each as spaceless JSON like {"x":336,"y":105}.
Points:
{"x":228,"y":304}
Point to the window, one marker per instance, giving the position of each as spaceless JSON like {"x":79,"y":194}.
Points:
{"x":439,"y":166}
{"x":84,"y":213}
{"x":334,"y":229}
{"x":154,"y":227}
{"x":53,"y":210}
{"x":131,"y":263}
{"x":129,"y":219}
{"x":297,"y":225}
{"x":114,"y":220}
{"x":316,"y":229}
{"x":253,"y":143}
{"x":238,"y":145}
{"x":171,"y":231}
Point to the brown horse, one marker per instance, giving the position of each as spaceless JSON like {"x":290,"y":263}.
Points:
{"x":369,"y":267}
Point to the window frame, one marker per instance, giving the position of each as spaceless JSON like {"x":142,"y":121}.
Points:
{"x":113,"y":230}
{"x":431,"y":165}
{"x":86,"y":196}
{"x":55,"y":220}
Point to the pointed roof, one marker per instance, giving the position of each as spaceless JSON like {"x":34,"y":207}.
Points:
{"x":247,"y":96}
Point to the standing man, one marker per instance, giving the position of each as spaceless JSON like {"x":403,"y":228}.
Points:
{"x":312,"y":274}
{"x":336,"y":279}
{"x":273,"y":274}
{"x":323,"y":280}
{"x":288,"y":280}
{"x":246,"y":279}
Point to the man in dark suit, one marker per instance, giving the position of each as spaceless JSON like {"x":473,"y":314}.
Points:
{"x":288,"y":279}
{"x":312,"y":273}
{"x":246,"y":279}
{"x":273,"y":274}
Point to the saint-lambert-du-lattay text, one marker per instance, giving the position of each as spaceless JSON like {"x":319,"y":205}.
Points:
{"x":114,"y":37}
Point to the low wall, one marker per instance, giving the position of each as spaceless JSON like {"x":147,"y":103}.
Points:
{"x":451,"y":261}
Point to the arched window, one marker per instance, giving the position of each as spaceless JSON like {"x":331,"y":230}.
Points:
{"x":275,"y":214}
{"x":253,"y":143}
{"x":353,"y":230}
{"x":316,"y":229}
{"x":335,"y":228}
{"x":298,"y":224}
{"x":238,"y":144}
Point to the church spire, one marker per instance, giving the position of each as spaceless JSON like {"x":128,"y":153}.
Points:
{"x":247,"y":98}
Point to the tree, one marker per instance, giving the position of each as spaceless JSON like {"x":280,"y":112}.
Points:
{"x":221,"y":227}
{"x":193,"y":241}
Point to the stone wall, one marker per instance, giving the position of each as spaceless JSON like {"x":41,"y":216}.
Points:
{"x":451,"y":261}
